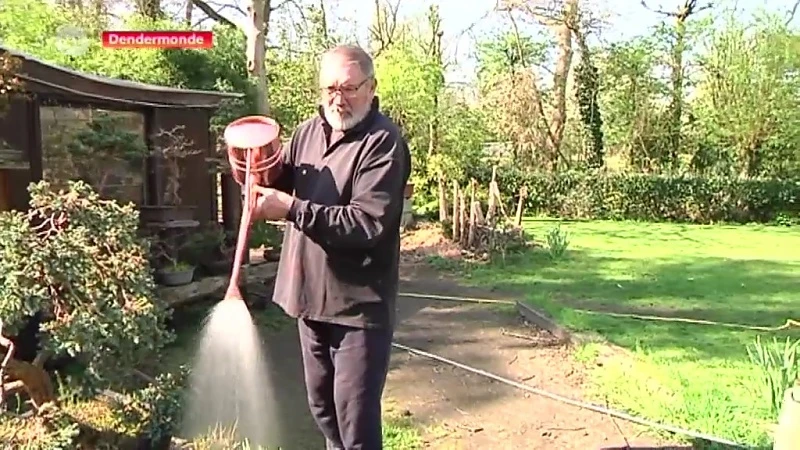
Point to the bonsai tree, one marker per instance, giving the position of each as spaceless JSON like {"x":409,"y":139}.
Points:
{"x":173,"y":268}
{"x":209,"y":245}
{"x":172,"y":148}
{"x":76,"y":262}
{"x":105,"y":153}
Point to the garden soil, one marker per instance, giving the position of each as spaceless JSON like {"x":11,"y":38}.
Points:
{"x":454,"y":408}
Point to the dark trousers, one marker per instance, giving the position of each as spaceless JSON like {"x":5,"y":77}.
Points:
{"x":345,"y":372}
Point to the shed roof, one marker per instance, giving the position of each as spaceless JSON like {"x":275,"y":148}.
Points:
{"x":42,"y":77}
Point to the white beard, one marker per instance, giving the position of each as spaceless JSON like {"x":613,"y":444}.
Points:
{"x":341,"y":123}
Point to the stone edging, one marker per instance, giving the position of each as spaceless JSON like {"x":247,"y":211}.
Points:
{"x":543,"y":321}
{"x":179,"y":295}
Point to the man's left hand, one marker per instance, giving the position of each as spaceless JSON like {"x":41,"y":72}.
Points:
{"x":271,"y":204}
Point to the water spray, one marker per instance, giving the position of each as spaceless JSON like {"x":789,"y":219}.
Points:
{"x":231,"y":386}
{"x":254,"y":153}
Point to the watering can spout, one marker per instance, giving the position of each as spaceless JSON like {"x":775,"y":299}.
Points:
{"x":254,"y":153}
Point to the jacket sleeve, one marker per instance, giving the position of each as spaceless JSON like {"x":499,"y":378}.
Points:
{"x":376,"y":202}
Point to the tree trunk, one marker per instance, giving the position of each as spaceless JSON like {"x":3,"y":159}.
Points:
{"x":259,"y":14}
{"x":558,"y":117}
{"x":676,"y":105}
{"x":188,"y":12}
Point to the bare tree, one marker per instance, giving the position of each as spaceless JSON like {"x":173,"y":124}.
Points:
{"x":383,"y":31}
{"x":561,"y":17}
{"x":256,"y":29}
{"x":678,"y":49}
{"x":791,"y":13}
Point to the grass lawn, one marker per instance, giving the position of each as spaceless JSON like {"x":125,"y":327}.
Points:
{"x":693,"y":376}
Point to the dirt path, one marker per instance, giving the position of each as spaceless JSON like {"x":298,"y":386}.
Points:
{"x":469,"y":411}
{"x":458,"y":409}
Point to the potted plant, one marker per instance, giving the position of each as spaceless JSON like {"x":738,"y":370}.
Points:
{"x":158,"y":408}
{"x":176,"y":273}
{"x":268,"y":237}
{"x":210,"y":249}
{"x":172,"y":149}
{"x":173,"y":268}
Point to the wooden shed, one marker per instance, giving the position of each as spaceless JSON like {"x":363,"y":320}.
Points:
{"x":63,"y":98}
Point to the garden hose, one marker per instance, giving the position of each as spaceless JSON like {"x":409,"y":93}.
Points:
{"x":790,"y":323}
{"x":584,"y":405}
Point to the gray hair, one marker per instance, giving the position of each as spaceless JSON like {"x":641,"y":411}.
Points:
{"x":357,"y":54}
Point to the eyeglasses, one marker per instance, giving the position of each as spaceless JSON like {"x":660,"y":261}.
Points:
{"x":346,"y":91}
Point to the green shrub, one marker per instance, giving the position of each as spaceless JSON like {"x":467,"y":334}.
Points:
{"x":557,"y":242}
{"x":79,"y":260}
{"x":779,"y":366}
{"x":159,"y":406}
{"x":685,"y":198}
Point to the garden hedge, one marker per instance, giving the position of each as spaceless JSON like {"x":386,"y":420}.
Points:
{"x":685,"y":198}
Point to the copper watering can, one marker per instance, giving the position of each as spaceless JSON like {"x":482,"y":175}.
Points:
{"x":254,"y":153}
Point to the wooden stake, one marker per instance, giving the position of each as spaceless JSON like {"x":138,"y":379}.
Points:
{"x":462,"y":218}
{"x":442,"y":200}
{"x":472,"y":214}
{"x":500,"y":201}
{"x":479,"y":217}
{"x":523,"y":194}
{"x":490,"y":209}
{"x":456,"y":216}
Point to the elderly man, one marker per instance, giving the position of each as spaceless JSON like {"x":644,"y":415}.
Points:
{"x":341,"y":194}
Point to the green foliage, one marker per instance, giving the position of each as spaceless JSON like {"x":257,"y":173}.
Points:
{"x":205,"y":245}
{"x":31,"y":26}
{"x":104,"y":137}
{"x":51,"y":430}
{"x":557,"y":242}
{"x":586,"y":92}
{"x":631,"y":100}
{"x":293,"y":87}
{"x":104,"y":154}
{"x":779,"y":366}
{"x":265,"y":234}
{"x":507,"y":53}
{"x":681,"y":198}
{"x":407,"y":85}
{"x":159,"y":406}
{"x":747,"y":107}
{"x":79,"y":260}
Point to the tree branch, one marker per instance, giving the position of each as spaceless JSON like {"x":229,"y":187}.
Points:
{"x":284,"y":3}
{"x":213,"y":14}
{"x":549,"y":13}
{"x":689,"y":7}
{"x":234,"y":7}
{"x":792,"y":12}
